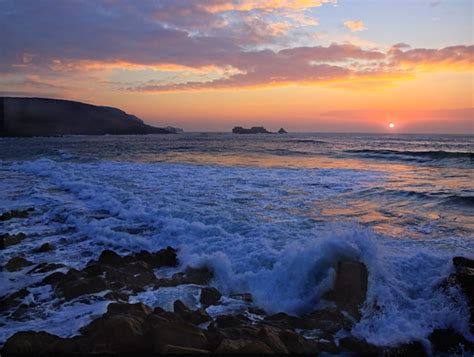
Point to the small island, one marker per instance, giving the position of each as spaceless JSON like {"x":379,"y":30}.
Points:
{"x":49,"y":117}
{"x":255,"y":130}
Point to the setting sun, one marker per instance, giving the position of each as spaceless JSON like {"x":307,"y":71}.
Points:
{"x":391,"y":125}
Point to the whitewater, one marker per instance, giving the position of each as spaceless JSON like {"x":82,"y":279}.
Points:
{"x":270,"y":215}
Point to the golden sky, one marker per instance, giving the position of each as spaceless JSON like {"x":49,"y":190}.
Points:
{"x":302,"y":64}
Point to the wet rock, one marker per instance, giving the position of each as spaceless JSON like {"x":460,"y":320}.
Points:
{"x":34,"y":343}
{"x":13,"y":299}
{"x":176,"y":333}
{"x":362,"y":347}
{"x":120,"y":330}
{"x":74,"y":284}
{"x":196,"y":317}
{"x":53,"y":279}
{"x":297,"y":344}
{"x":15,"y":214}
{"x":7,"y":240}
{"x":45,"y":268}
{"x":224,"y":321}
{"x":450,"y":342}
{"x":46,"y":247}
{"x":198,"y":276}
{"x":246,"y":297}
{"x":350,"y":288}
{"x":243,"y":346}
{"x":270,"y":337}
{"x":464,"y":278}
{"x":17,"y":263}
{"x":209,"y":296}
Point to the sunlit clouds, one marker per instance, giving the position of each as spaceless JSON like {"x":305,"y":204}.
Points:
{"x":122,"y":52}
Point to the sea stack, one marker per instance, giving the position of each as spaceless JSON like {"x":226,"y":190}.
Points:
{"x":252,"y":130}
{"x":282,"y":131}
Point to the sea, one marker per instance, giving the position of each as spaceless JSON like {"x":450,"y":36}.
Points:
{"x":270,"y":214}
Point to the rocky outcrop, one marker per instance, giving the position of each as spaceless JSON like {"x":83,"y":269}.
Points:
{"x":44,"y":117}
{"x":16,"y":213}
{"x":282,"y":131}
{"x":252,"y":130}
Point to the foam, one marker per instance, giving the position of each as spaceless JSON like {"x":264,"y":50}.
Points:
{"x":259,"y":230}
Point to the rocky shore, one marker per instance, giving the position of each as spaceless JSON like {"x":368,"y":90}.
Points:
{"x":128,"y":327}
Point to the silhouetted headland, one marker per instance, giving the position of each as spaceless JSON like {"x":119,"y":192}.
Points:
{"x":252,"y":130}
{"x":45,"y":116}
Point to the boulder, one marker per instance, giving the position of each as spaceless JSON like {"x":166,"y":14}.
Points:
{"x":17,"y":263}
{"x":448,"y":341}
{"x":15,"y":214}
{"x":196,"y":317}
{"x":350,"y":288}
{"x":198,"y":276}
{"x":7,"y":240}
{"x":282,"y":131}
{"x":7,"y":302}
{"x":209,"y":296}
{"x":35,"y":343}
{"x":46,"y":247}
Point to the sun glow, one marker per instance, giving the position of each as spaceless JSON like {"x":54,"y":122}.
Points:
{"x":391,"y":125}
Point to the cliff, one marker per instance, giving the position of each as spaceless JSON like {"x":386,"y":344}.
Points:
{"x":44,"y":117}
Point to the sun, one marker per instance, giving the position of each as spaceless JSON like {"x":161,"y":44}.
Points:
{"x":391,"y":125}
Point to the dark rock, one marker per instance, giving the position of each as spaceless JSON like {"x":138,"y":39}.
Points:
{"x":44,"y":116}
{"x":46,"y":247}
{"x":176,"y":333}
{"x":297,"y":344}
{"x":270,"y":337}
{"x":350,"y":288}
{"x":109,"y":257}
{"x":7,"y":240}
{"x":53,"y":278}
{"x":449,"y":341}
{"x":45,"y":267}
{"x":35,"y":343}
{"x":13,"y":299}
{"x":121,"y":329}
{"x":463,"y":277}
{"x":172,"y":349}
{"x":463,"y":262}
{"x":243,"y":346}
{"x":196,"y":317}
{"x":198,"y":276}
{"x":246,"y":297}
{"x":252,"y":130}
{"x":282,"y":131}
{"x":209,"y":296}
{"x":15,"y":213}
{"x":17,"y":263}
{"x":362,"y":347}
{"x":224,"y":321}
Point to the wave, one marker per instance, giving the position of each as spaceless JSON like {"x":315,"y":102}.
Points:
{"x":431,"y":155}
{"x":284,"y":261}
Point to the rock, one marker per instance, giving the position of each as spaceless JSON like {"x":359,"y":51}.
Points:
{"x":34,"y":343}
{"x":350,"y":288}
{"x":362,"y":347}
{"x":297,"y":344}
{"x":177,"y":333}
{"x":120,"y":330}
{"x":45,"y":267}
{"x":53,"y":278}
{"x":7,"y":240}
{"x":246,"y":297}
{"x":252,"y":130}
{"x":243,"y":346}
{"x":17,"y":263}
{"x":46,"y":247}
{"x":172,"y":349}
{"x":463,"y":262}
{"x":270,"y":337}
{"x":198,"y":276}
{"x":209,"y":296}
{"x":450,"y":342}
{"x":7,"y":302}
{"x":15,"y":214}
{"x":282,"y":131}
{"x":196,"y":317}
{"x":464,"y":278}
{"x":108,"y":257}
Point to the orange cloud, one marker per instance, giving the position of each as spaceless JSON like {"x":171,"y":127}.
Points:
{"x":355,"y":25}
{"x":248,"y":5}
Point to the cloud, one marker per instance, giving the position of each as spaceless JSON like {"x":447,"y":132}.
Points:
{"x":204,"y":45}
{"x":355,"y":25}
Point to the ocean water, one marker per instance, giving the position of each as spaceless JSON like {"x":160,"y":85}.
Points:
{"x":271,"y":214}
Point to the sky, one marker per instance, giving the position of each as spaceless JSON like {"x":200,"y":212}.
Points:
{"x":305,"y":65}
